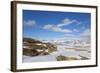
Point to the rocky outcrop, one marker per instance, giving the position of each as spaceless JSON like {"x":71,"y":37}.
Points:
{"x":30,"y":52}
{"x":51,"y":47}
{"x":32,"y":47}
{"x":65,"y":58}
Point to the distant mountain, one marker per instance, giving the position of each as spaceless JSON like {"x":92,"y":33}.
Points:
{"x":82,"y":41}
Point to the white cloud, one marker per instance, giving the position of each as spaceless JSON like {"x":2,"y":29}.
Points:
{"x":59,"y":27}
{"x":75,"y":30}
{"x":67,"y":21}
{"x":78,"y":29}
{"x":56,"y":29}
{"x":86,"y":32}
{"x":30,"y":22}
{"x":48,"y":26}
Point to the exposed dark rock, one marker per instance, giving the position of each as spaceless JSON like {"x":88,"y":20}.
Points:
{"x":83,"y":58}
{"x":43,"y":53}
{"x":30,"y":52}
{"x":30,"y":40}
{"x":61,"y":58}
{"x":32,"y":47}
{"x":51,"y":47}
{"x":65,"y":58}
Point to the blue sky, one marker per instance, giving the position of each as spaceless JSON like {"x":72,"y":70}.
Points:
{"x":50,"y":25}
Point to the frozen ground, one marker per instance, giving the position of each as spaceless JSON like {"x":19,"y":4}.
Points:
{"x":61,"y":50}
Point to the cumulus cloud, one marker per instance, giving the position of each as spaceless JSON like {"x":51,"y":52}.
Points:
{"x":30,"y":22}
{"x":67,"y":21}
{"x":56,"y":29}
{"x":59,"y":27}
{"x":48,"y":26}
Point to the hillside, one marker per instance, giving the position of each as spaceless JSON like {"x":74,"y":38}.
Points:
{"x":33,"y":47}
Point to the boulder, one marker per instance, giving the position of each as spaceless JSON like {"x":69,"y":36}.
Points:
{"x":65,"y":58}
{"x":51,"y":47}
{"x":30,"y":52}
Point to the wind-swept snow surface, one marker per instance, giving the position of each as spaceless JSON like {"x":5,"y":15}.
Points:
{"x":80,"y":51}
